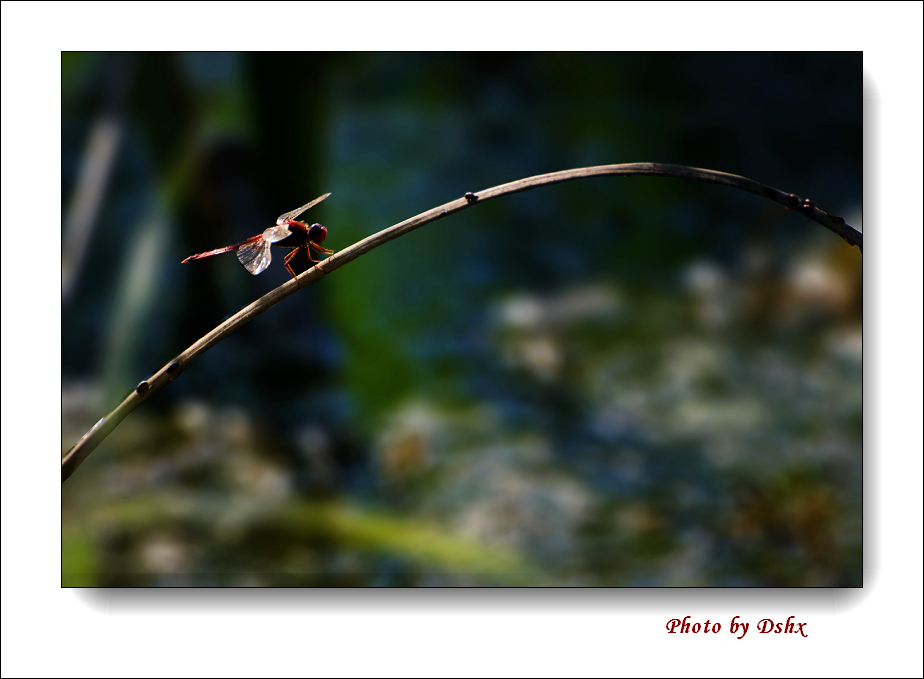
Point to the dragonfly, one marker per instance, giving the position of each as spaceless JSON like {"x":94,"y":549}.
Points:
{"x":254,"y":253}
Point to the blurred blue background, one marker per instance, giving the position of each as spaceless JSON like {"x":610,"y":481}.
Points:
{"x":614,"y":381}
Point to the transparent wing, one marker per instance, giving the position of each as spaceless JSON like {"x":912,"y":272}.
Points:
{"x":255,"y":256}
{"x":295,"y":213}
{"x":274,"y":234}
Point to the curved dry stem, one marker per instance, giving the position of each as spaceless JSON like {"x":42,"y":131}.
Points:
{"x":171,"y":371}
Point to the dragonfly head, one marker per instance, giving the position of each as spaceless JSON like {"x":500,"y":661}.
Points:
{"x":317,"y":233}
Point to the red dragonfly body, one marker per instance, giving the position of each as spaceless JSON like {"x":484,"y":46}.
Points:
{"x":254,"y":253}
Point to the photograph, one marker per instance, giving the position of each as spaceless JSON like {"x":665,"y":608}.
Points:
{"x":462,"y":319}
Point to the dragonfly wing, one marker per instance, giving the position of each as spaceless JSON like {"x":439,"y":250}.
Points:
{"x":274,"y":234}
{"x":255,"y":255}
{"x":295,"y":213}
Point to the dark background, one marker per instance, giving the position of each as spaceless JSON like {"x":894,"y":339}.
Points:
{"x":615,"y":381}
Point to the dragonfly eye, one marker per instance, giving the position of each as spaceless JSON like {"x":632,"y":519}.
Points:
{"x":317,"y":233}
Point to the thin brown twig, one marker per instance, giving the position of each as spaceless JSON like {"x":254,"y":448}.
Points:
{"x":171,"y":371}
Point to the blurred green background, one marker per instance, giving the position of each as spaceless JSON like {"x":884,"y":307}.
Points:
{"x":615,"y":381}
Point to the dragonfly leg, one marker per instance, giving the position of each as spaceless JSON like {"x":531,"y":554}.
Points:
{"x":289,"y":259}
{"x":319,"y":249}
